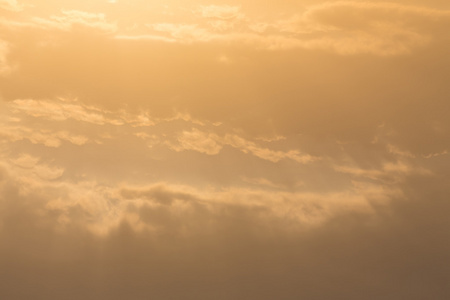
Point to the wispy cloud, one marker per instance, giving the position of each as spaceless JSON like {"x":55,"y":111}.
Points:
{"x":11,"y":5}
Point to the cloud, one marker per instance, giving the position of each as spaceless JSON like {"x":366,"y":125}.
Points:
{"x":64,"y":111}
{"x":294,"y":173}
{"x":225,"y":12}
{"x":25,"y":161}
{"x":67,"y":20}
{"x":222,"y":18}
{"x":359,"y":27}
{"x":49,"y":173}
{"x":343,"y":27}
{"x":11,"y":5}
{"x":265,"y":153}
{"x":30,"y":166}
{"x":59,"y":110}
{"x":159,"y":193}
{"x":41,"y":136}
{"x":72,"y":18}
{"x":378,"y":28}
{"x":222,"y":244}
{"x":364,"y":15}
{"x":198,"y":141}
{"x":212,"y":144}
{"x":354,"y":90}
{"x":17,"y":125}
{"x":389,"y":171}
{"x":75,"y":206}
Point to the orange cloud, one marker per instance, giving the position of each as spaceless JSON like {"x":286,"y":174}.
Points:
{"x":11,"y":5}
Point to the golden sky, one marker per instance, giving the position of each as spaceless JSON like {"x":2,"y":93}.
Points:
{"x":224,"y":149}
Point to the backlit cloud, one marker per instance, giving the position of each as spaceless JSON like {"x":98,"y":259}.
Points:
{"x":200,"y":150}
{"x":344,"y":27}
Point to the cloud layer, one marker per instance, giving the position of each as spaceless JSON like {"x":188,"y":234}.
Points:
{"x":224,"y":150}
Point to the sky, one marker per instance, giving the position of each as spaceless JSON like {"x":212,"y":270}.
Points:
{"x":224,"y":149}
